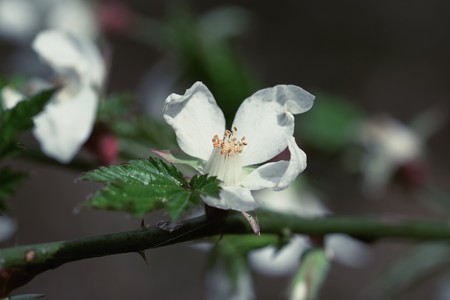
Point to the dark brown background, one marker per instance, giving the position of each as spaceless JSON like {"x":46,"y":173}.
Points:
{"x":387,"y":56}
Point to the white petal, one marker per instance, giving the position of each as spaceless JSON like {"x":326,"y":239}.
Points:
{"x":59,"y":49}
{"x":266,"y":176}
{"x":293,"y":200}
{"x":95,"y":73}
{"x":70,"y":56}
{"x":64,"y":126}
{"x":74,"y":16}
{"x":7,"y":227}
{"x":233,"y":197}
{"x":347,"y":250}
{"x":195,"y":118}
{"x":278,"y":262}
{"x":221,"y":286}
{"x":266,"y":118}
{"x":297,"y":163}
{"x":10,"y":97}
{"x":278,"y":175}
{"x":18,"y":19}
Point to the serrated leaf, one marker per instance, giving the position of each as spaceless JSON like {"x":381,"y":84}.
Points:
{"x":205,"y":184}
{"x":313,"y":270}
{"x":20,"y":118}
{"x":9,"y":181}
{"x":142,"y":186}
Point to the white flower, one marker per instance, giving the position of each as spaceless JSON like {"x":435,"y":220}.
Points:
{"x":67,"y":121}
{"x":17,"y":19}
{"x":278,"y":262}
{"x":219,"y":285}
{"x":389,"y":145}
{"x":20,"y":20}
{"x":7,"y":227}
{"x":263,"y":127}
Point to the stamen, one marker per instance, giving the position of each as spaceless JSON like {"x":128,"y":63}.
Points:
{"x":225,"y":163}
{"x":229,"y":145}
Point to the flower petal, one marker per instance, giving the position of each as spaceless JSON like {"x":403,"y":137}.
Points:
{"x":272,"y":261}
{"x":64,"y":126}
{"x":10,"y":97}
{"x":59,"y":49}
{"x":266,"y":118}
{"x":296,"y":200}
{"x":347,"y":250}
{"x":195,"y":118}
{"x":266,"y":176}
{"x":7,"y":227}
{"x":18,"y":19}
{"x":69,"y":55}
{"x":278,"y":175}
{"x":233,"y":197}
{"x":297,"y":164}
{"x":74,"y":16}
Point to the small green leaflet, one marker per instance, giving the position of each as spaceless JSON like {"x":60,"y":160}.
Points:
{"x":20,"y":118}
{"x":142,"y":186}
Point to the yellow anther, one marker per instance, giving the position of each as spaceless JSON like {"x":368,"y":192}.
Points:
{"x":229,"y":145}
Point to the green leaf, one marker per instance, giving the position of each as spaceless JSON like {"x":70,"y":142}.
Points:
{"x":9,"y":181}
{"x":142,"y":186}
{"x":115,"y":106}
{"x":20,"y":118}
{"x":311,"y":275}
{"x":205,"y":185}
{"x":138,"y":134}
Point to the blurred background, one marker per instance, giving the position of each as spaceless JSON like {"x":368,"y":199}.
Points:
{"x":367,"y":63}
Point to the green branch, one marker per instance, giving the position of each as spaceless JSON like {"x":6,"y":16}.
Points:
{"x":18,"y":265}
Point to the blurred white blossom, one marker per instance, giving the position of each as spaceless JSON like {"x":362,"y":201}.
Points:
{"x":389,"y":144}
{"x":7,"y":227}
{"x":66,"y":123}
{"x":20,"y":20}
{"x":219,"y":284}
{"x":285,"y":261}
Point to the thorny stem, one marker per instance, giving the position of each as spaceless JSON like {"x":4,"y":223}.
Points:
{"x":18,"y":265}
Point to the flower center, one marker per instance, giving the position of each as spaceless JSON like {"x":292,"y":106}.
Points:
{"x":225,"y":159}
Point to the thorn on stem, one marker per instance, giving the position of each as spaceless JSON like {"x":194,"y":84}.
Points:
{"x":144,"y":257}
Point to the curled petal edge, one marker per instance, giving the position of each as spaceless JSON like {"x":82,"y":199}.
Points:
{"x":278,"y":175}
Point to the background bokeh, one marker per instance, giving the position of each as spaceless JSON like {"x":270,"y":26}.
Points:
{"x":385,"y":56}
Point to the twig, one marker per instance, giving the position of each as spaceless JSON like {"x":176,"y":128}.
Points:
{"x":18,"y":265}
